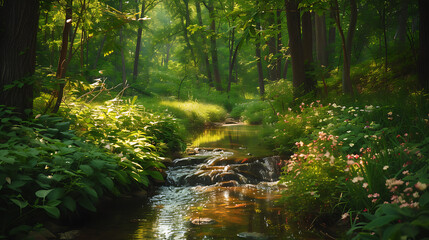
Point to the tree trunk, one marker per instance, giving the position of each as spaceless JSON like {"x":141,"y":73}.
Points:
{"x":18,"y":31}
{"x":295,"y":46}
{"x":231,"y":43}
{"x":321,"y":43}
{"x":423,"y":58}
{"x":272,"y":49}
{"x":121,"y":42}
{"x":401,"y":33}
{"x":138,"y":44}
{"x":259,"y":57}
{"x":100,"y":50}
{"x":346,"y":44}
{"x":62,"y":62}
{"x":279,"y":45}
{"x":185,"y":31}
{"x":213,"y":47}
{"x":307,"y":45}
{"x":204,"y":45}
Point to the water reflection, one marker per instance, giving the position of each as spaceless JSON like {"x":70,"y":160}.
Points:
{"x":243,"y":211}
{"x":246,"y":139}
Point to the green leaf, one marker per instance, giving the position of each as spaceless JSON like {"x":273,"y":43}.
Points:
{"x":21,"y":204}
{"x":392,"y":231}
{"x":155,"y":174}
{"x":91,"y":192}
{"x":43,"y":193}
{"x":52,"y":211}
{"x":7,"y":159}
{"x":16,"y":184}
{"x":379,"y":222}
{"x":86,"y":169}
{"x":422,"y":221}
{"x":54,"y":203}
{"x":97,"y":164}
{"x":424,"y":199}
{"x":57,"y":193}
{"x":62,"y":126}
{"x":69,"y":203}
{"x":107,"y":182}
{"x":87,"y":204}
{"x":20,"y":229}
{"x":134,"y":100}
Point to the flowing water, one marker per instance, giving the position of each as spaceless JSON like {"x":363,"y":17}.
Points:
{"x":185,"y":209}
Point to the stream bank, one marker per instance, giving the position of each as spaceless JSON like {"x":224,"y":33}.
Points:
{"x":225,"y":189}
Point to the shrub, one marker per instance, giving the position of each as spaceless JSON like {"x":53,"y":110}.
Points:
{"x":45,"y":167}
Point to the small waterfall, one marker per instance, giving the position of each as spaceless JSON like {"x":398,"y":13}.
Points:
{"x":219,"y":166}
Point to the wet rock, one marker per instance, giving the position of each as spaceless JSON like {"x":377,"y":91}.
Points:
{"x":230,"y":121}
{"x":69,"y":235}
{"x":192,"y":151}
{"x":141,"y":194}
{"x":252,"y":235}
{"x":167,"y":162}
{"x":43,"y":234}
{"x":190,"y":160}
{"x":231,"y":183}
{"x":202,"y":221}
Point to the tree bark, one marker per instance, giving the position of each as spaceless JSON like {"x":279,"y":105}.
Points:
{"x":272,"y":49}
{"x":121,"y":42}
{"x":213,"y":47}
{"x":346,"y":44}
{"x":231,"y":43}
{"x":423,"y":57}
{"x":307,"y":45}
{"x":259,"y":57}
{"x":100,"y":50}
{"x":401,"y":33}
{"x":62,"y":62}
{"x":295,"y":46}
{"x":321,"y":43}
{"x":18,"y":31}
{"x":279,"y":45}
{"x":138,"y":44}
{"x":204,"y":45}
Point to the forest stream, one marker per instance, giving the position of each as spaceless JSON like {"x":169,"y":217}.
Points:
{"x":226,"y":188}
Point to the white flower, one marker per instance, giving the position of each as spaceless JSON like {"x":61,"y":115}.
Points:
{"x":420,"y":186}
{"x":385,"y":167}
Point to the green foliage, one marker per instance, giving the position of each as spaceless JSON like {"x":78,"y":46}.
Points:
{"x":254,"y":112}
{"x":196,"y":114}
{"x":280,"y":94}
{"x":378,"y":155}
{"x":124,"y":126}
{"x":393,"y":222}
{"x":313,"y":175}
{"x":45,"y":167}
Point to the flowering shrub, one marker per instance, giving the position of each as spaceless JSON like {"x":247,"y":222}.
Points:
{"x":379,"y":158}
{"x":312,"y":175}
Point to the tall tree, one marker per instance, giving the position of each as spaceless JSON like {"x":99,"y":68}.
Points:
{"x":258,"y":53}
{"x":139,"y":42}
{"x":204,"y":50}
{"x":346,"y":44}
{"x":62,"y":62}
{"x":307,"y":45}
{"x":295,"y":46}
{"x":321,"y":40}
{"x":423,"y":55}
{"x":213,"y":45}
{"x":18,"y":31}
{"x":122,"y":44}
{"x":272,"y":46}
